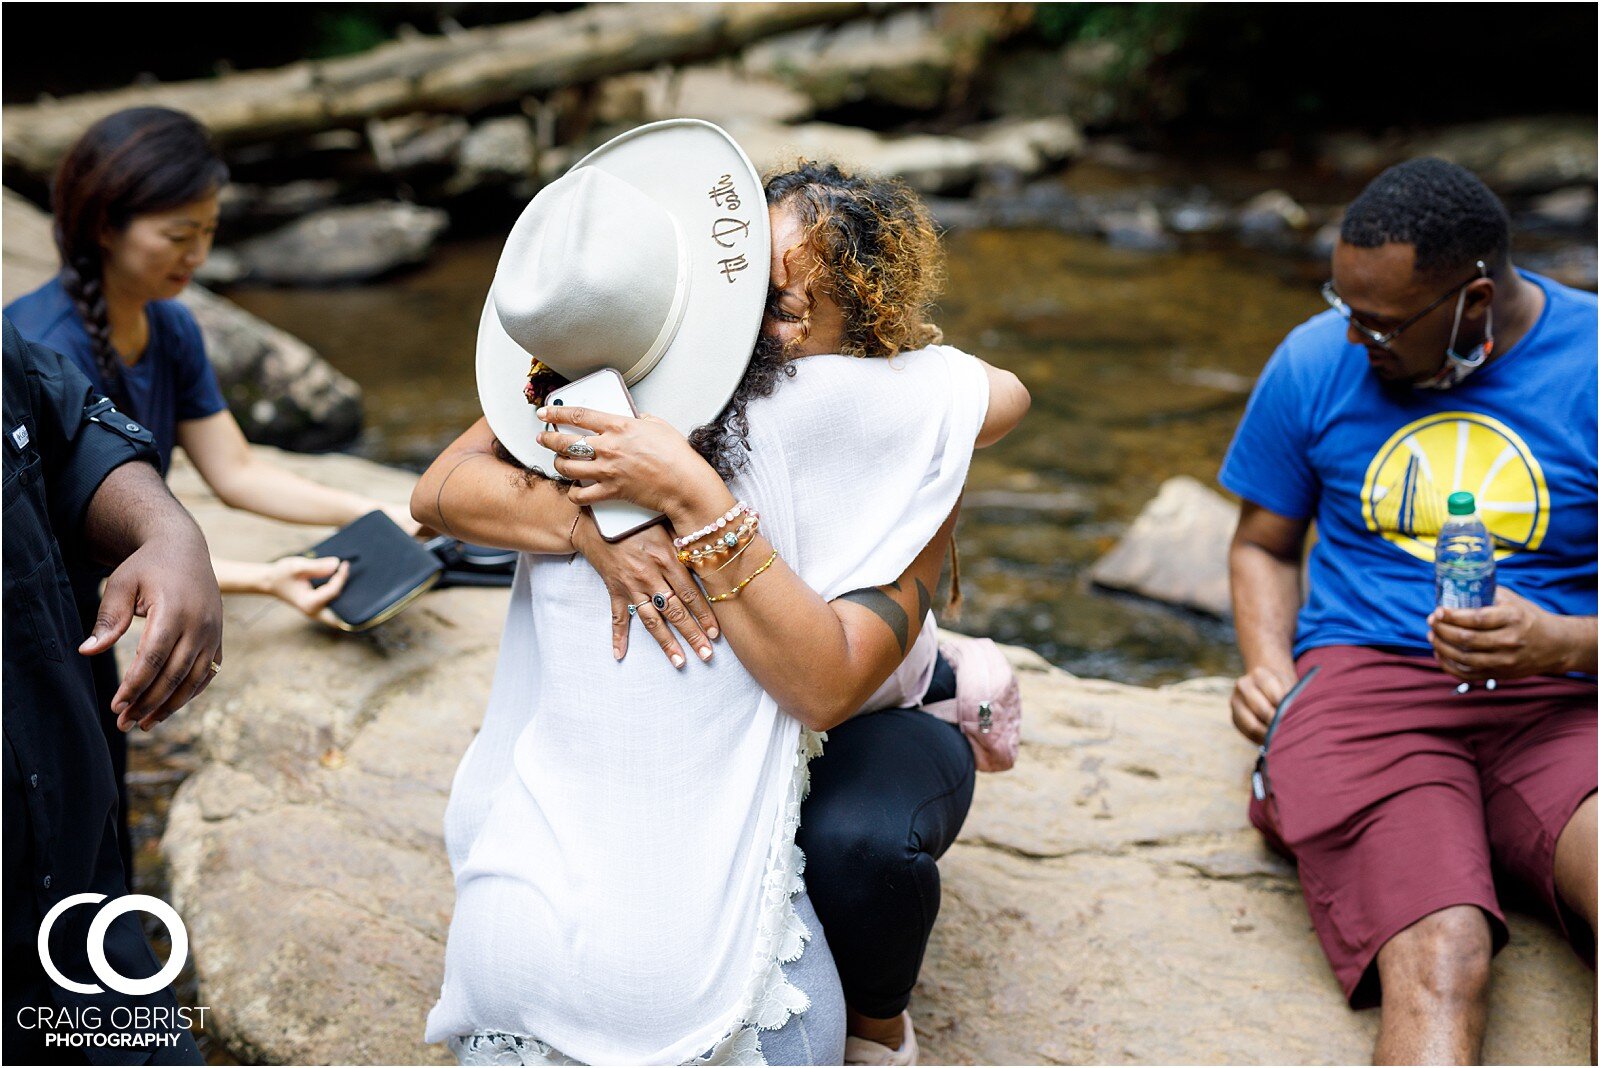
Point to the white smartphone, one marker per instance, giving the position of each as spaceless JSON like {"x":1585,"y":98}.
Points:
{"x":604,"y":391}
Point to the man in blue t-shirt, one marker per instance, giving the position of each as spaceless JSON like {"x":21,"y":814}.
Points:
{"x":1426,"y":750}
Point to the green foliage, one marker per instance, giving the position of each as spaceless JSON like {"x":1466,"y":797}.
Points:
{"x":1142,"y":32}
{"x":346,"y":31}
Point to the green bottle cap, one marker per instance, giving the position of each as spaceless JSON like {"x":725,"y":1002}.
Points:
{"x":1462,"y":503}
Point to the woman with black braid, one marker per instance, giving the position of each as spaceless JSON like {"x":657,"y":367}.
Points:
{"x":136,"y":205}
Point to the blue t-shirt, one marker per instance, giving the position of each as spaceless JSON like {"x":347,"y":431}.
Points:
{"x":1322,"y":439}
{"x":172,"y":381}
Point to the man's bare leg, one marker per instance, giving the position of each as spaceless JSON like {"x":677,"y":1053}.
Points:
{"x":1435,"y":977}
{"x":1576,"y":860}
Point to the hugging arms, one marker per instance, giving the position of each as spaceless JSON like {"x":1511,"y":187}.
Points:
{"x":819,"y":659}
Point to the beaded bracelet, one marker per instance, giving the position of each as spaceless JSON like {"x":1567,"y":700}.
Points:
{"x":738,"y":509}
{"x":723,"y":542}
{"x":729,"y":561}
{"x":748,"y":579}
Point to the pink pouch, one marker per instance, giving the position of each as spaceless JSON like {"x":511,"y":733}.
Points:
{"x":987,"y":706}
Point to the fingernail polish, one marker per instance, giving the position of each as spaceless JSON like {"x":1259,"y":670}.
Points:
{"x":677,"y":661}
{"x":616,"y":651}
{"x":705,"y":654}
{"x":713,"y":633}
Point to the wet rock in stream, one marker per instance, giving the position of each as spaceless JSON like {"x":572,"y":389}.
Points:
{"x":1177,"y":550}
{"x":343,"y":244}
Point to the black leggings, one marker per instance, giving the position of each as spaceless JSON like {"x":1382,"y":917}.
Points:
{"x":888,"y":796}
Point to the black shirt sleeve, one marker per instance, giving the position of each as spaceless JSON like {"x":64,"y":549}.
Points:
{"x":82,"y":437}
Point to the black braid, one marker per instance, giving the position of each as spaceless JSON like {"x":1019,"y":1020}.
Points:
{"x":82,"y":283}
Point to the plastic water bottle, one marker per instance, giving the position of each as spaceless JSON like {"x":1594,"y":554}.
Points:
{"x":1463,"y":558}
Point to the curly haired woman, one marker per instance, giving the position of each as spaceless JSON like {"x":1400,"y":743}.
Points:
{"x":855,"y":268}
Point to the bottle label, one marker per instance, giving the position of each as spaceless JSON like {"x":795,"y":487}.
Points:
{"x":1464,"y":585}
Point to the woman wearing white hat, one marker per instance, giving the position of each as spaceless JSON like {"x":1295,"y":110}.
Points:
{"x":622,"y":835}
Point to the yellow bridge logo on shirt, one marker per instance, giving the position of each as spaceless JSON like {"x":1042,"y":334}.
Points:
{"x":1412,"y":476}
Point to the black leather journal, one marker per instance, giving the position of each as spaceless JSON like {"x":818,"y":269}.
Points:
{"x":388,"y":570}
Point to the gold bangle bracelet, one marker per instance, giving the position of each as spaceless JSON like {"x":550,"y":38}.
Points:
{"x":736,"y":555}
{"x":748,"y":579}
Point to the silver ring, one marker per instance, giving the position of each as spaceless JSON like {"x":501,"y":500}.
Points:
{"x":660,"y":601}
{"x":579,"y":450}
{"x":633,"y":609}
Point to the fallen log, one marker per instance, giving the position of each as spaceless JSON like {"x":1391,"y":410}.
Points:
{"x":461,"y":72}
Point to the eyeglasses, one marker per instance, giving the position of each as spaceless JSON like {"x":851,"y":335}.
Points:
{"x":1383,"y":341}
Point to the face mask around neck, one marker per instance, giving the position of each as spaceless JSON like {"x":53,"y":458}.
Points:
{"x":1456,"y":366}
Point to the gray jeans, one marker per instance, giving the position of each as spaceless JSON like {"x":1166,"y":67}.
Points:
{"x":815,"y":1036}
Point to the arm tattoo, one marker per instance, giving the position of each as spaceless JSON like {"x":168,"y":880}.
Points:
{"x":885,"y":608}
{"x":438,"y":498}
{"x":924,"y":599}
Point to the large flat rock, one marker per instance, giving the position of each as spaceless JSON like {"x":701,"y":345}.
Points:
{"x":1106,"y":902}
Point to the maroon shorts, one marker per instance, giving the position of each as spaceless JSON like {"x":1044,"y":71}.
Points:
{"x":1398,"y":797}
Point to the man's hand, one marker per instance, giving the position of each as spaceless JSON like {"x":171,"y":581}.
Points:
{"x":1255,"y":699}
{"x":1510,"y":639}
{"x":169,"y":582}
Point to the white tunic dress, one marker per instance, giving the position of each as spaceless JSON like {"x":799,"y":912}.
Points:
{"x":622,"y":834}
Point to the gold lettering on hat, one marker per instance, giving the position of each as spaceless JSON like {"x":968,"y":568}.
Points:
{"x":724,"y":195}
{"x":729,"y":232}
{"x":729,"y":229}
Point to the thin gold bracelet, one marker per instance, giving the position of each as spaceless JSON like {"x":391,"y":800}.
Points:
{"x":736,"y":555}
{"x":749,"y":579}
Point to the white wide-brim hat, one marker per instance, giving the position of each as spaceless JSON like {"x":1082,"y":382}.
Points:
{"x":650,"y":256}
